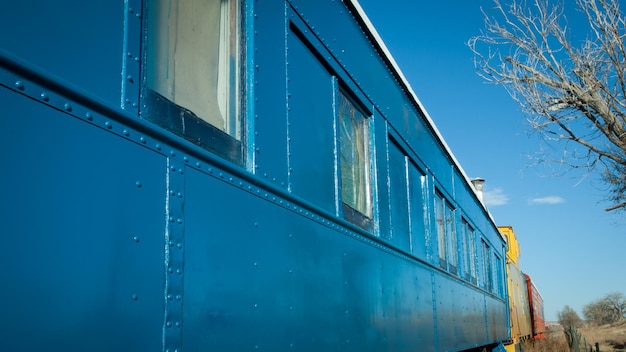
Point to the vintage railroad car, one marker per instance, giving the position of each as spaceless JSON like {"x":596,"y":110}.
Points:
{"x":525,"y":303}
{"x":536,"y":309}
{"x":230,"y":176}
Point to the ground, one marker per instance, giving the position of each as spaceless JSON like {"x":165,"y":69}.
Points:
{"x":611,"y":338}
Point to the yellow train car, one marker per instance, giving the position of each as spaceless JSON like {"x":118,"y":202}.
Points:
{"x":520,"y":315}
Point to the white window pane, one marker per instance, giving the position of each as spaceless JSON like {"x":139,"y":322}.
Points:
{"x":193,"y":58}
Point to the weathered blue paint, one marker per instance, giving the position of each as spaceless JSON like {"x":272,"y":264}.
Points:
{"x":119,"y":235}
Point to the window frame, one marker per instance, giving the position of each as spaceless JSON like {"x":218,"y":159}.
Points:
{"x":469,"y":250}
{"x":347,"y":210}
{"x":446,"y":230}
{"x":487,"y":267}
{"x":229,"y":142}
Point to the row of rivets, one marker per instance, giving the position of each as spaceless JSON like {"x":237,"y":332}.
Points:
{"x":68,"y":107}
{"x":175,"y":254}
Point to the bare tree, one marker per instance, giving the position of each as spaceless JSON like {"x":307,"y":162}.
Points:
{"x":569,"y":318}
{"x":570,"y":321}
{"x":573,"y":91}
{"x":607,"y":310}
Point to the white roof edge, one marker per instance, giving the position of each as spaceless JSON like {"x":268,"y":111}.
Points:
{"x":387,"y":53}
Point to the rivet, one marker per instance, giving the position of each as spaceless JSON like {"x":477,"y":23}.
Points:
{"x":198,"y":164}
{"x":172,"y":153}
{"x":171,"y":219}
{"x":169,"y":324}
{"x":136,"y":239}
{"x":256,"y":264}
{"x":67,"y":107}
{"x":178,"y":324}
{"x":138,"y":184}
{"x":179,"y":245}
{"x":19,"y":85}
{"x":179,"y":297}
{"x":134,"y":297}
{"x":180,"y":221}
{"x":108,"y":125}
{"x":171,"y":243}
{"x":179,"y":272}
{"x":126,"y":133}
{"x":158,"y":146}
{"x":170,"y":270}
{"x":89,"y":116}
{"x":169,"y":297}
{"x":180,"y":195}
{"x":44,"y":97}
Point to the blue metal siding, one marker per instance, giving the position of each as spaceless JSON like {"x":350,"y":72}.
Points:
{"x":311,"y":126}
{"x":276,"y":279}
{"x":419,"y":210}
{"x":267,"y":77}
{"x":83,"y":225}
{"x":78,"y":41}
{"x":350,"y":47}
{"x":399,"y":201}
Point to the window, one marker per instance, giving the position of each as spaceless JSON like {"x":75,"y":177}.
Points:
{"x":499,"y":289}
{"x":469,"y":251}
{"x":446,"y":233}
{"x":441,"y":229}
{"x":193,"y":72}
{"x":487,"y":268}
{"x":354,"y":163}
{"x":472,"y":256}
{"x":451,"y":239}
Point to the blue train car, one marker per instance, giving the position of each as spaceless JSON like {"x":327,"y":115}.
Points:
{"x":230,"y":176}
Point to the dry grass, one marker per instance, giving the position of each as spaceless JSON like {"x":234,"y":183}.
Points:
{"x":611,"y":338}
{"x":554,"y":342}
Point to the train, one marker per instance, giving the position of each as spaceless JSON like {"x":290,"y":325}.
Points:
{"x":527,"y":320}
{"x":226,"y":175}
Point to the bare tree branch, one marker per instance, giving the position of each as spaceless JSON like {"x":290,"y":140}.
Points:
{"x":571,"y":91}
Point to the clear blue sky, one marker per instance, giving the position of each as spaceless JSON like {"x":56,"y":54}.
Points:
{"x":574,"y":250}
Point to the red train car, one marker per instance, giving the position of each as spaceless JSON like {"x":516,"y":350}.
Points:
{"x":536,"y":309}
